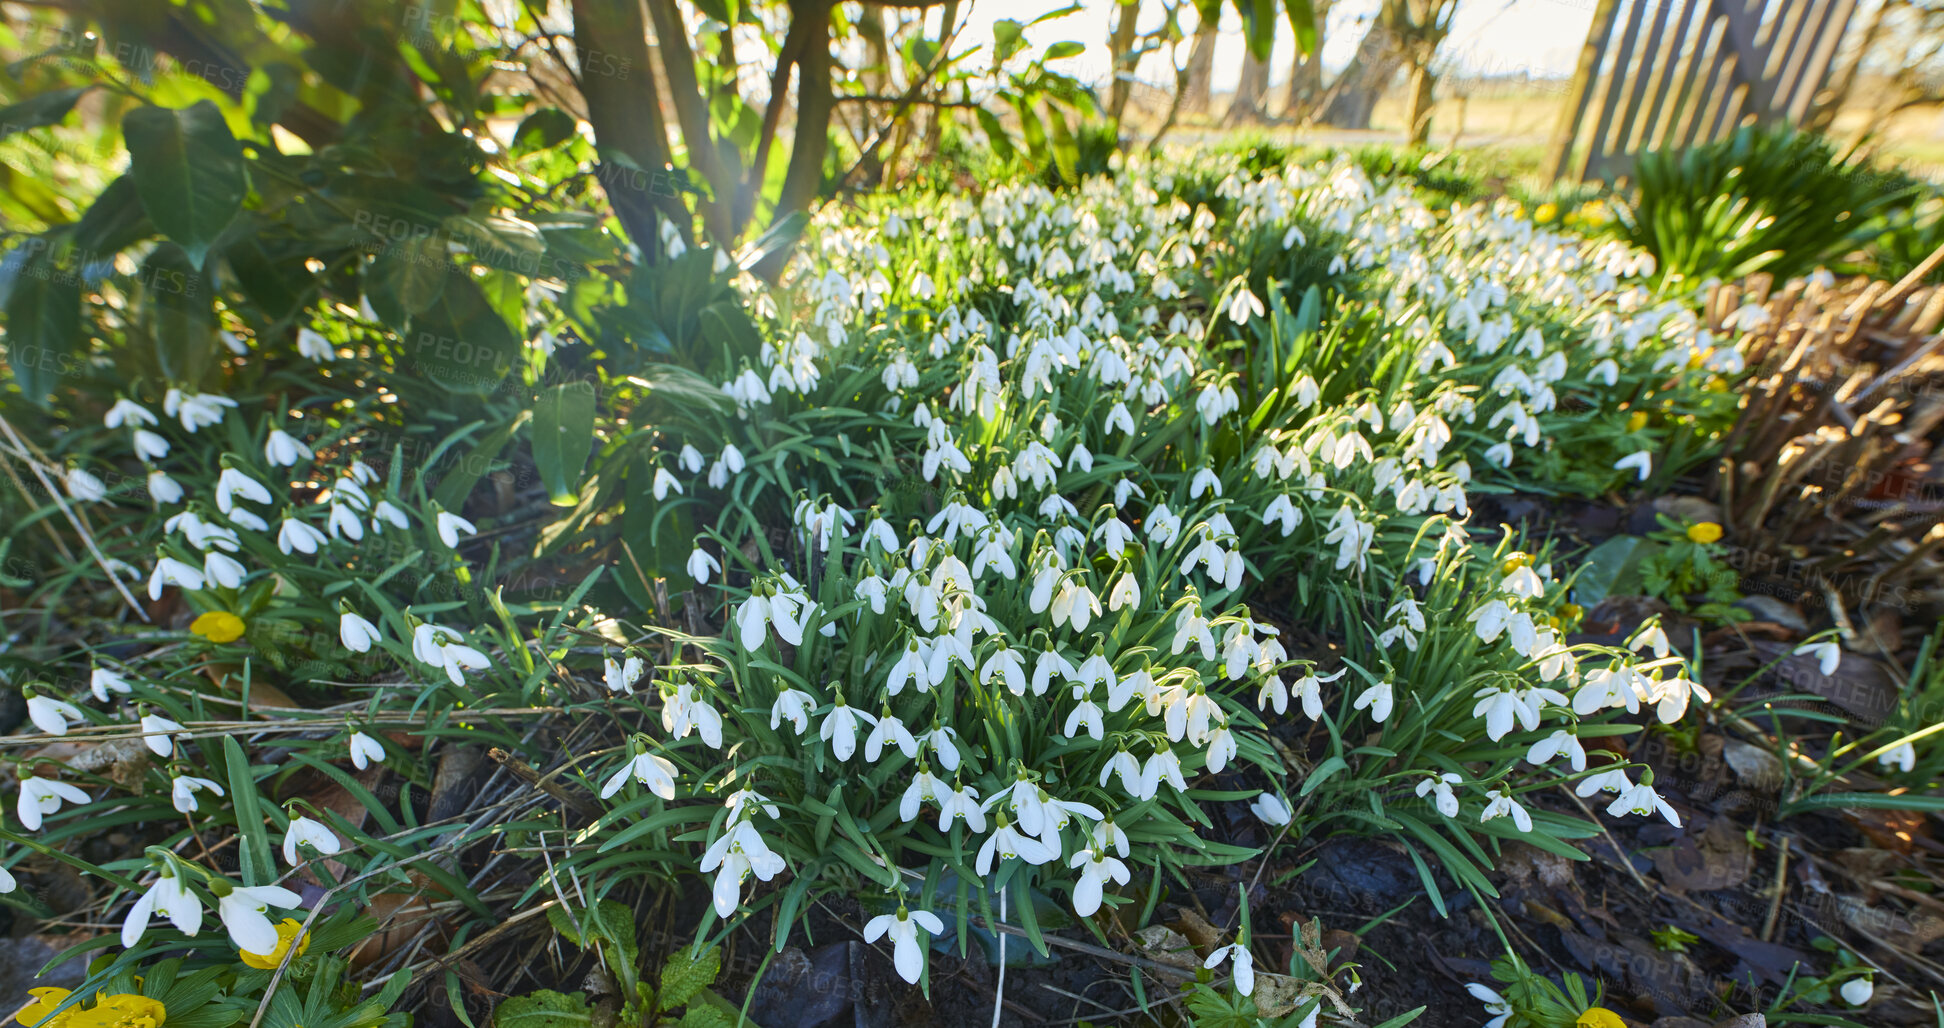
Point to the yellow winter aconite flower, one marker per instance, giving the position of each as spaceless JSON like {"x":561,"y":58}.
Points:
{"x":287,"y":929}
{"x":1599,"y":1017}
{"x":1545,"y":212}
{"x":218,"y":626}
{"x":1705,"y":532}
{"x":122,"y":1010}
{"x":1637,"y":421}
{"x":43,"y":1004}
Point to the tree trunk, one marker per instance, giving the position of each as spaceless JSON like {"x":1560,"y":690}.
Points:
{"x":625,"y":112}
{"x":1201,"y":70}
{"x":1121,"y":45}
{"x":1355,"y":92}
{"x":1306,"y":71}
{"x":1250,"y":91}
{"x":803,"y":180}
{"x":1417,"y":118}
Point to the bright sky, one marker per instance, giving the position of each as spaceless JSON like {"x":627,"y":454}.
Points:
{"x":1488,"y":37}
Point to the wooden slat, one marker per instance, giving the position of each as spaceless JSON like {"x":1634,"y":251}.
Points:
{"x":1786,"y":59}
{"x":1749,"y":60}
{"x":1599,"y":148}
{"x":1691,"y":76}
{"x":1708,"y":94}
{"x":1821,"y":57}
{"x":1650,"y":55}
{"x":1677,"y":62}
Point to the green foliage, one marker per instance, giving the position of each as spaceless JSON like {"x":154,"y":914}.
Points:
{"x":1686,"y":565}
{"x":1773,"y":200}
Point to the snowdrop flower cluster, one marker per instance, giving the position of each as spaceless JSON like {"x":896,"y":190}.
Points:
{"x":1070,"y":581}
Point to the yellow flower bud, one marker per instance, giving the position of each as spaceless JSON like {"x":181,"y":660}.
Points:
{"x":1545,"y":212}
{"x":1599,"y":1017}
{"x":218,"y":626}
{"x":1637,"y":421}
{"x":1705,"y":532}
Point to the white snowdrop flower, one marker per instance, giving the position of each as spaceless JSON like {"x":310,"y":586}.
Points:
{"x":653,"y":771}
{"x":446,"y":649}
{"x":128,"y":412}
{"x":159,"y":734}
{"x":1119,"y":419}
{"x":42,"y":796}
{"x":701,"y":564}
{"x":222,"y":571}
{"x":385,"y":512}
{"x":164,"y":489}
{"x":664,"y":482}
{"x":232,"y":483}
{"x":356,"y":633}
{"x":1857,"y":991}
{"x":1379,"y":698}
{"x":305,"y":832}
{"x":1243,"y":306}
{"x":197,"y":411}
{"x":1524,"y":583}
{"x":839,"y":729}
{"x":169,"y":897}
{"x":794,"y":706}
{"x":1242,"y":964}
{"x":84,"y":486}
{"x":364,"y":750}
{"x":183,"y":790}
{"x":312,"y":345}
{"x":102,"y":681}
{"x":1440,"y":788}
{"x":284,"y":450}
{"x":621,"y":677}
{"x":344,"y":523}
{"x":1902,"y":758}
{"x":150,"y":446}
{"x":1671,"y":698}
{"x":294,"y":536}
{"x":1503,"y":805}
{"x":1605,"y":373}
{"x":735,"y":855}
{"x":1828,"y":654}
{"x":1204,"y":481}
{"x":1642,"y":463}
{"x":907,"y":950}
{"x":1652,"y":636}
{"x":450,"y":525}
{"x":889,"y":731}
{"x":1096,"y":870}
{"x":1642,"y":799}
{"x":1271,"y":809}
{"x":51,"y":715}
{"x":244,"y":913}
{"x":1560,"y":743}
{"x":1007,"y":842}
{"x":1495,"y":1005}
{"x":1610,"y":780}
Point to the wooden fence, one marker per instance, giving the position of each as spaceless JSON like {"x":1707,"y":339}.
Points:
{"x":1673,"y":73}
